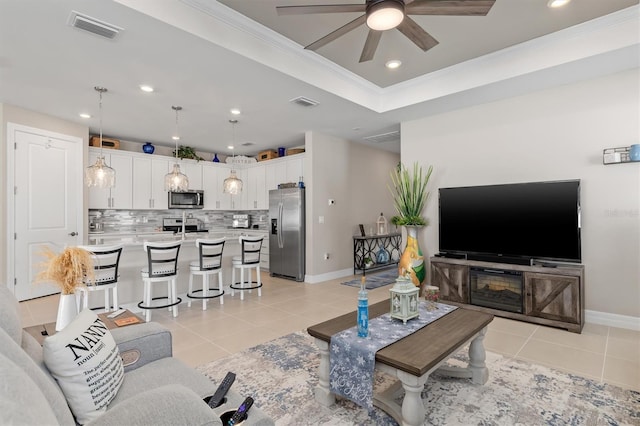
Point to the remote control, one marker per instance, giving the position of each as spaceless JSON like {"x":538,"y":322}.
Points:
{"x":116,"y":313}
{"x":241,"y":412}
{"x":222,"y":390}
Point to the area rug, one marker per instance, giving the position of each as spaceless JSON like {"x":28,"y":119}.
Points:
{"x":376,"y":280}
{"x":281,"y":375}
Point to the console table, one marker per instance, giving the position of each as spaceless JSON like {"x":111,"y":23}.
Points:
{"x":382,"y":250}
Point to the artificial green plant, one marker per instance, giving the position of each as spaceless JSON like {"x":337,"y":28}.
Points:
{"x":410,"y":195}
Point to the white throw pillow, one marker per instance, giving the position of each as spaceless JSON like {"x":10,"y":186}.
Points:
{"x":85,"y":361}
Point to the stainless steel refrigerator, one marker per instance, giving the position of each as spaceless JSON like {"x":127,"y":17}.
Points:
{"x":286,"y":233}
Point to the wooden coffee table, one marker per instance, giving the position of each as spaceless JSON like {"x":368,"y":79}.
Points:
{"x":411,"y":359}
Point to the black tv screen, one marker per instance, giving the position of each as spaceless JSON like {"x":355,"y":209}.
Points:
{"x":537,"y":220}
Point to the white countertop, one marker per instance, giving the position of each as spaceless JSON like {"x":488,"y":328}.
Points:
{"x":139,"y":238}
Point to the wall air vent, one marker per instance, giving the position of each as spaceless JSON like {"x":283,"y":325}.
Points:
{"x":93,"y":25}
{"x":384,"y":137}
{"x":305,"y":102}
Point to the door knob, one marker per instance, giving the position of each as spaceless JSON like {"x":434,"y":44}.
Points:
{"x":73,"y":234}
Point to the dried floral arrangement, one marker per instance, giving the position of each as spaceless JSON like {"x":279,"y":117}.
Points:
{"x":69,"y":269}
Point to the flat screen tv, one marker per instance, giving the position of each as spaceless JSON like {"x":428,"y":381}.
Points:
{"x":537,"y":220}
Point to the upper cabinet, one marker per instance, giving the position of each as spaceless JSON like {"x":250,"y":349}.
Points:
{"x":193,"y":170}
{"x":148,"y":183}
{"x":255,"y":188}
{"x":120,"y":196}
{"x":140,"y":181}
{"x":213,"y":176}
{"x":285,"y":170}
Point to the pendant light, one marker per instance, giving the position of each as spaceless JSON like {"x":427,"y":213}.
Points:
{"x":99,"y":174}
{"x":232,"y":185}
{"x":175,"y":180}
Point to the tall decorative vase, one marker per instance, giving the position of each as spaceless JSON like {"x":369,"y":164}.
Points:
{"x":67,"y":310}
{"x":412,"y":261}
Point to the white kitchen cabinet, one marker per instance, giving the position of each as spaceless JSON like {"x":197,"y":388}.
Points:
{"x":193,"y":170}
{"x":213,"y":176}
{"x":148,"y":183}
{"x":120,"y":196}
{"x":295,"y":169}
{"x":256,"y":189}
{"x":284,"y":170}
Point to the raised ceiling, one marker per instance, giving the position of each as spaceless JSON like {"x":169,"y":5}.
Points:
{"x":209,"y":57}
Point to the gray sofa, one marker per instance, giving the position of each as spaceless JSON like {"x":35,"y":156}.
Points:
{"x":157,"y":388}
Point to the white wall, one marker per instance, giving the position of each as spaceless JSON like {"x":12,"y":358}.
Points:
{"x":553,"y":134}
{"x":356,"y":177}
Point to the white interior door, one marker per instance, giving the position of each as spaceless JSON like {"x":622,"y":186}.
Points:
{"x":47,"y":204}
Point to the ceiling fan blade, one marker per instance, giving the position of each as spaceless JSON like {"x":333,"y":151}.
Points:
{"x":326,"y":8}
{"x":449,"y":7}
{"x":337,"y":33}
{"x":416,"y":34}
{"x":370,"y":46}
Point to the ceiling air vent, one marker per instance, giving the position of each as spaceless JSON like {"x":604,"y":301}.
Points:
{"x":248,"y":144}
{"x":384,"y":137}
{"x":305,"y":102}
{"x":93,"y":25}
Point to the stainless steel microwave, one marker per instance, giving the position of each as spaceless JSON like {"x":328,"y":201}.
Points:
{"x":186,"y":200}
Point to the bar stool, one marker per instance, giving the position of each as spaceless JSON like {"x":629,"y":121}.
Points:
{"x":162,"y":265}
{"x":106,"y":260}
{"x":209,"y":263}
{"x":249,"y":259}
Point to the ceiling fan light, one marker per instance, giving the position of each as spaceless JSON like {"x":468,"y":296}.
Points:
{"x":557,"y":3}
{"x":384,"y":14}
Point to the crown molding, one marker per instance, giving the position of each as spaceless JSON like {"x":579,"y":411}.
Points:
{"x":229,"y":29}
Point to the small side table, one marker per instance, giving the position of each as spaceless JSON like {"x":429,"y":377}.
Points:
{"x":371,"y":246}
{"x":42,"y":331}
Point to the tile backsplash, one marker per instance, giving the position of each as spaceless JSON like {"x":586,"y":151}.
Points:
{"x":137,"y":221}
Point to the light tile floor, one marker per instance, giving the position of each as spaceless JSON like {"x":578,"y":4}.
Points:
{"x":603,"y":353}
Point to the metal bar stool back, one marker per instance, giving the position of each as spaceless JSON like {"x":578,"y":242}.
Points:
{"x":209,"y":263}
{"x":162,"y":266}
{"x":249,"y":259}
{"x":106,"y":260}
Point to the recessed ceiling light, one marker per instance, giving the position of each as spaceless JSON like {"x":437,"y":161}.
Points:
{"x":146,"y":88}
{"x":235,"y":111}
{"x":557,"y":3}
{"x":393,"y":64}
{"x":85,"y":115}
{"x":175,"y":138}
{"x":229,"y":146}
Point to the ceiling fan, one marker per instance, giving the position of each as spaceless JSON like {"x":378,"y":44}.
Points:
{"x":382,"y":15}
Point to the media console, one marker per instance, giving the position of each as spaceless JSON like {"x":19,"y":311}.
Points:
{"x":536,"y":294}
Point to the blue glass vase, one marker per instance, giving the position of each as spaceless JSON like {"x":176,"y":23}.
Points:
{"x":148,"y":148}
{"x":215,"y":158}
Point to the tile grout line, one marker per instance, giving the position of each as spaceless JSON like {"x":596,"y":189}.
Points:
{"x":526,"y":341}
{"x":604,"y":359}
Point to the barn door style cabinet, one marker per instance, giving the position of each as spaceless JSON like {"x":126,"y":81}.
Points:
{"x":551,"y":296}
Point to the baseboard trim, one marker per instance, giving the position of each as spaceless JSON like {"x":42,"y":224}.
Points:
{"x":612,"y":320}
{"x":313,"y":279}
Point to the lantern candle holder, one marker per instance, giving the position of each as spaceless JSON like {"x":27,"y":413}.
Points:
{"x":404,"y":299}
{"x":432,"y":296}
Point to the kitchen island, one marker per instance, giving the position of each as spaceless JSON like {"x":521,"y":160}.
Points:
{"x":134,"y":258}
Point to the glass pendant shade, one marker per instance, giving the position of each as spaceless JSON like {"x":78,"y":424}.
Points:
{"x":176,"y":181}
{"x":232,"y":185}
{"x":100,"y":175}
{"x":385,"y":15}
